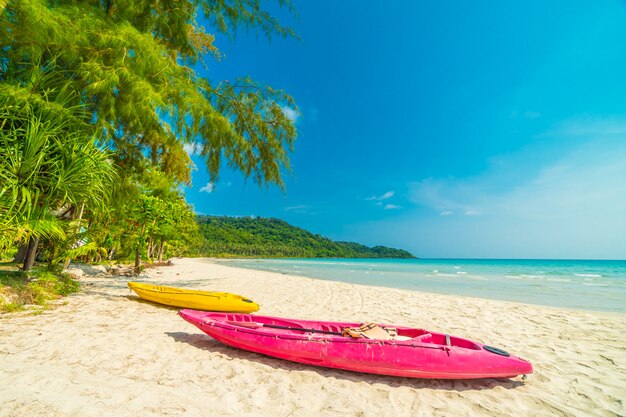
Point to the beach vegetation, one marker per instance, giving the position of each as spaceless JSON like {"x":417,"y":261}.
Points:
{"x":51,"y":165}
{"x":133,"y":63}
{"x":101,"y":102}
{"x":101,"y":106}
{"x":21,"y":290}
{"x":273,"y":238}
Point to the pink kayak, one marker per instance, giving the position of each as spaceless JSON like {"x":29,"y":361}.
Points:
{"x":403,"y":351}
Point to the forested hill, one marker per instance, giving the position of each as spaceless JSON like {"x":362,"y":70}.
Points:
{"x":263,"y":237}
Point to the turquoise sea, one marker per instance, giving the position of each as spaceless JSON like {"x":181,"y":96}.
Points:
{"x":583,"y":285}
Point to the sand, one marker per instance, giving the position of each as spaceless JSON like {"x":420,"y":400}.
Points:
{"x":103,"y":352}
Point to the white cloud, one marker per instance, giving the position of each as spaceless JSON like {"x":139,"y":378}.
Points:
{"x":385,"y":196}
{"x":192,"y":148}
{"x":380,"y":201}
{"x":392,"y":207}
{"x":208,"y":188}
{"x":445,"y":195}
{"x":297,"y":208}
{"x":290,"y":113}
{"x":302,"y":209}
{"x":579,"y":179}
{"x":558,"y":198}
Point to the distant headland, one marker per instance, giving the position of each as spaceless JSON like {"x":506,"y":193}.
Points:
{"x":259,"y":237}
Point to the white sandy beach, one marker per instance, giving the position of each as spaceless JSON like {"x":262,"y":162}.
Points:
{"x":103,"y":352}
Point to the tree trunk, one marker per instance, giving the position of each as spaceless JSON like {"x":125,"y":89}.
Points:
{"x":137,"y":258}
{"x":29,"y":261}
{"x":55,"y":252}
{"x":68,"y":260}
{"x":80,"y":213}
{"x":138,"y":250}
{"x":20,"y":256}
{"x":161,"y":244}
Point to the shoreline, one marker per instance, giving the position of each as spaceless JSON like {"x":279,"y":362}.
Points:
{"x":105,"y":352}
{"x":518,"y":286}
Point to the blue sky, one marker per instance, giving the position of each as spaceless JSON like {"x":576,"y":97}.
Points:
{"x":450,"y":129}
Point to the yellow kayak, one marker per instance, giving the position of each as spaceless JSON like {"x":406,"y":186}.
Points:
{"x":194,"y":299}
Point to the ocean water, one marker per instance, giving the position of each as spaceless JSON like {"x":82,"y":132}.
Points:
{"x":582,"y":285}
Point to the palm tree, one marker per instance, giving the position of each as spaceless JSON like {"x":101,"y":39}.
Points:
{"x":49,"y":160}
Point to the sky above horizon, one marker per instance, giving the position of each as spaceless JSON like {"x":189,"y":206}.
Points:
{"x":445,"y":128}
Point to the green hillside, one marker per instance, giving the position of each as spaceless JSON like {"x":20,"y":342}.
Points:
{"x":274,"y":238}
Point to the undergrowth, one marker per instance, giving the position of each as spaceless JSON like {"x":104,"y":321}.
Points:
{"x":18,"y":290}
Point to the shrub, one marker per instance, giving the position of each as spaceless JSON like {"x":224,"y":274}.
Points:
{"x":41,"y":287}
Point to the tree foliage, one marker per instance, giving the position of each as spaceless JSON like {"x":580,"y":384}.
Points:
{"x":261,"y":237}
{"x":49,"y":163}
{"x":88,"y":87}
{"x":133,"y":62}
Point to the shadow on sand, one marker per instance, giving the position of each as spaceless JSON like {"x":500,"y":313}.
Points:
{"x":205,"y":342}
{"x":136,"y":299}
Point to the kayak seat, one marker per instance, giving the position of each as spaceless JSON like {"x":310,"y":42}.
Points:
{"x":374,"y":331}
{"x":426,"y":337}
{"x":370,"y":331}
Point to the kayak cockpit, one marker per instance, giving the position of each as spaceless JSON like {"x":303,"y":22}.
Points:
{"x":321,"y":329}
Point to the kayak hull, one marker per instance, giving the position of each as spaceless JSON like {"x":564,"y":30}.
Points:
{"x":420,"y":353}
{"x":194,"y":299}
